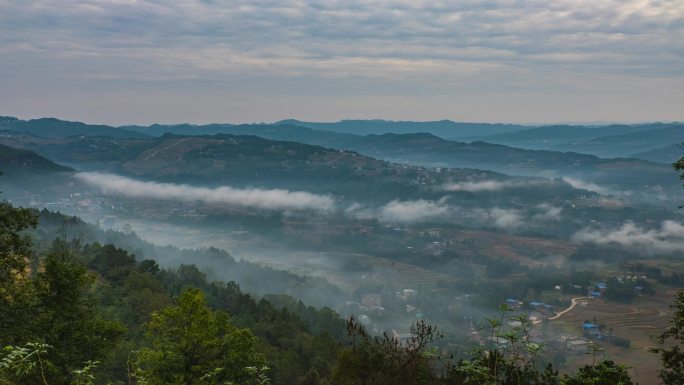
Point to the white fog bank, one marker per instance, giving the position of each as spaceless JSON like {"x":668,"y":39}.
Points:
{"x":272,"y":199}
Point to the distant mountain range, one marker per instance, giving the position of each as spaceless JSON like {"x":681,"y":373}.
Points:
{"x":430,"y":150}
{"x":55,"y":128}
{"x":616,"y":140}
{"x":93,"y":147}
{"x":442,"y":128}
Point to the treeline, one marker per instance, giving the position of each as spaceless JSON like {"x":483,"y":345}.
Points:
{"x":93,"y":314}
{"x":92,"y":302}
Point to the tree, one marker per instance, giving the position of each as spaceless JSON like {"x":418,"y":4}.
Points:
{"x":679,"y":167}
{"x":48,"y":303}
{"x":605,"y":373}
{"x":193,"y":344}
{"x":387,"y":360}
{"x":672,"y":357}
{"x":67,"y":317}
{"x":15,"y":285}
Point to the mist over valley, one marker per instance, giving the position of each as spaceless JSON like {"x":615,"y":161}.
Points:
{"x":390,"y":228}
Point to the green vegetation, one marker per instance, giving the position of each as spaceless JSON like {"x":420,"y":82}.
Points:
{"x":193,"y":344}
{"x":92,"y":303}
{"x":672,"y":353}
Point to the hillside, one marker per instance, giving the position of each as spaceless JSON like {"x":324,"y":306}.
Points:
{"x":604,"y":141}
{"x":660,"y":135}
{"x":287,"y":156}
{"x":18,"y":162}
{"x":239,"y":161}
{"x":430,"y":150}
{"x":665,"y":154}
{"x":546,"y":135}
{"x":55,"y":128}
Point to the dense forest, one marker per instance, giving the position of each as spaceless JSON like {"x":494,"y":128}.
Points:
{"x":86,"y":313}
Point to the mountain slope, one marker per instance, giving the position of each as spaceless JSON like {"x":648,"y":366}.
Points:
{"x":428,"y":149}
{"x":668,"y":154}
{"x":660,"y":135}
{"x":18,"y":162}
{"x":241,"y":161}
{"x":563,"y":133}
{"x":605,"y":141}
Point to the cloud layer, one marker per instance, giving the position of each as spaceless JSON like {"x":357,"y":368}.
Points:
{"x":582,"y":185}
{"x":413,"y":211}
{"x":668,"y":238}
{"x":397,"y":211}
{"x":258,"y":198}
{"x":266,"y":59}
{"x":493,"y":185}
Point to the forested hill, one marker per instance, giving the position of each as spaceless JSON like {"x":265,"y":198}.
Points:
{"x":431,"y":150}
{"x":238,"y":160}
{"x":17,"y":162}
{"x":92,"y":302}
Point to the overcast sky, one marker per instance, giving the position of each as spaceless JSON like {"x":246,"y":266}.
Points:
{"x":128,"y":61}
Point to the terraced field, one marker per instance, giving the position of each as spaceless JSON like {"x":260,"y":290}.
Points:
{"x":640,"y":322}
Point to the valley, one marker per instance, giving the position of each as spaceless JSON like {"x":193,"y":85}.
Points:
{"x":391,"y":228}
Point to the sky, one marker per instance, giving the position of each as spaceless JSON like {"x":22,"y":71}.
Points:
{"x":523,"y":61}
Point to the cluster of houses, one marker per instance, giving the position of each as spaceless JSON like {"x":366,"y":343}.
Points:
{"x":538,"y":311}
{"x":597,"y":291}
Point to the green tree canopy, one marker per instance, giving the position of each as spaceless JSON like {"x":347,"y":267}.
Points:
{"x":193,"y":344}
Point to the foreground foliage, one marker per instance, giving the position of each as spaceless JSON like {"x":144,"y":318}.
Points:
{"x":192,"y":344}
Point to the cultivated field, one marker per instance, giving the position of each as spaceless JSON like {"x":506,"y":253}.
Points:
{"x":640,"y":322}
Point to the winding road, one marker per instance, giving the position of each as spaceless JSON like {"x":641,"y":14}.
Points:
{"x":573,"y":303}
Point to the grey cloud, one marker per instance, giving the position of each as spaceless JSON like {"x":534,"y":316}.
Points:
{"x":589,"y":186}
{"x":276,"y":199}
{"x":668,"y":238}
{"x":503,"y":218}
{"x":416,"y":211}
{"x":397,"y":211}
{"x":492,"y":185}
{"x":547,"y":212}
{"x":344,"y":47}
